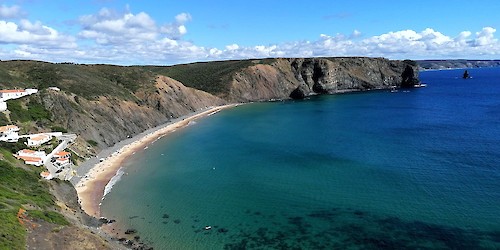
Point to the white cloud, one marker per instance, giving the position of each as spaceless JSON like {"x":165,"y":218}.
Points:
{"x":33,"y":33}
{"x":13,"y":11}
{"x":136,"y":38}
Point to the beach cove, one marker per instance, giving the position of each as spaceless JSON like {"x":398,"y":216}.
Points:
{"x":352,"y":170}
{"x":96,"y":173}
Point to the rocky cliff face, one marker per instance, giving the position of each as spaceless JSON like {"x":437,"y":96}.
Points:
{"x":298,"y":77}
{"x":112,"y":103}
{"x":108,"y":120}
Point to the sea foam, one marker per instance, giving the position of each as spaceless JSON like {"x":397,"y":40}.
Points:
{"x":112,"y":182}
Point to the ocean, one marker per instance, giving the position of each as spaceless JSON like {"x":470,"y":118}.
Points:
{"x":416,"y":169}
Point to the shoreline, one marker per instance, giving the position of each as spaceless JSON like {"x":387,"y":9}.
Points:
{"x":97,"y":174}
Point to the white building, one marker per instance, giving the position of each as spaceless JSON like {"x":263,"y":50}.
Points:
{"x":38,"y":140}
{"x":9,"y":133}
{"x":31,"y":157}
{"x":3,"y":106}
{"x":8,"y":94}
{"x":62,"y":158}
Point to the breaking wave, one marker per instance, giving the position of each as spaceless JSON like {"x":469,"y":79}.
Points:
{"x":112,"y":182}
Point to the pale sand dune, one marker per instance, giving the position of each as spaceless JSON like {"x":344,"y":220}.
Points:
{"x":90,"y":189}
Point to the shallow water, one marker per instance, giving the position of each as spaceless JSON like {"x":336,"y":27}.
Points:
{"x":414,"y":169}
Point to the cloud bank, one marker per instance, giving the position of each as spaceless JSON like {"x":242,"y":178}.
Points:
{"x":136,"y":38}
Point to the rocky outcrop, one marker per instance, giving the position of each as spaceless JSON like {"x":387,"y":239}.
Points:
{"x":300,"y":77}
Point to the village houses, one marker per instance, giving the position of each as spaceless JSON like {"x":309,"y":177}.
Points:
{"x":9,"y":133}
{"x":38,"y":140}
{"x":62,"y":158}
{"x":31,"y":157}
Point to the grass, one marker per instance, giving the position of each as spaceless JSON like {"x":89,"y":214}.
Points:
{"x":19,"y":187}
{"x":12,"y":233}
{"x":49,"y":216}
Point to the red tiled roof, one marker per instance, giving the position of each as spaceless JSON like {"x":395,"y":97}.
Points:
{"x":11,"y":90}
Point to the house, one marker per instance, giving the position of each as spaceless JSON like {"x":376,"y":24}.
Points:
{"x":7,"y":94}
{"x":38,"y":140}
{"x":62,"y":158}
{"x":46,"y":175}
{"x":31,"y":157}
{"x":9,"y":133}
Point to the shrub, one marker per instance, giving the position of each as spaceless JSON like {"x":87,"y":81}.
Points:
{"x":92,"y":143}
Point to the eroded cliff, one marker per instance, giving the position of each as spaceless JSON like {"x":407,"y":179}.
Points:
{"x":299,"y":77}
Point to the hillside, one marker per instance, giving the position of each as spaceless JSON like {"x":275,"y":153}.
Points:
{"x":105,"y":104}
{"x":456,"y":64}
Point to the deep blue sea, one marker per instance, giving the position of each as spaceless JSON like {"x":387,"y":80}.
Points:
{"x":417,"y":169}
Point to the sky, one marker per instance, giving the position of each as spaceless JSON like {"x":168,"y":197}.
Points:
{"x":166,"y":32}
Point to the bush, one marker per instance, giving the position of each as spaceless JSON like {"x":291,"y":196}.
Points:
{"x":92,"y":143}
{"x":3,"y":120}
{"x":58,"y":129}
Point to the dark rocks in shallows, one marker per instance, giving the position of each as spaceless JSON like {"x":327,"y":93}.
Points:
{"x":133,"y":217}
{"x":131,"y":231}
{"x":222,"y":230}
{"x":104,"y":220}
{"x":177,"y":221}
{"x":137,"y":237}
{"x":165,"y":216}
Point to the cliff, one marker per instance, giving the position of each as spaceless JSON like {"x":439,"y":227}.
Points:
{"x":298,"y":77}
{"x":105,"y":104}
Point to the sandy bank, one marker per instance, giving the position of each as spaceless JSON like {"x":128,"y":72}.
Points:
{"x":95,"y":174}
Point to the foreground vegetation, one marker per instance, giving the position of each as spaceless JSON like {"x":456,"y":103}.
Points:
{"x":20,"y":188}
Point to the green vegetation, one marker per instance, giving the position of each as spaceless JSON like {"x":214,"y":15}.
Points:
{"x":92,"y":81}
{"x":212,"y":77}
{"x":13,"y":147}
{"x":92,"y":143}
{"x":34,"y":111}
{"x":12,"y":233}
{"x":4,"y":120}
{"x":19,"y":187}
{"x":37,"y":111}
{"x":87,"y":81}
{"x":49,"y":216}
{"x":17,"y":112}
{"x":58,"y":129}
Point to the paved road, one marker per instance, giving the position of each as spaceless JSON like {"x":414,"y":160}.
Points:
{"x":66,"y":172}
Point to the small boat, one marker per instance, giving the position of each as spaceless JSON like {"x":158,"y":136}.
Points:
{"x":208,"y":227}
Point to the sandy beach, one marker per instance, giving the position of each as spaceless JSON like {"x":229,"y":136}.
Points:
{"x":97,"y":174}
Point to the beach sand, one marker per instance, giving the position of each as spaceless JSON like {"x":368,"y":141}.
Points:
{"x":90,"y":187}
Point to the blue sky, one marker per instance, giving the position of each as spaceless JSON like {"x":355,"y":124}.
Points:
{"x":180,"y":31}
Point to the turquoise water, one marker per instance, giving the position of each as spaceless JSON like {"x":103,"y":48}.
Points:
{"x":416,"y":169}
